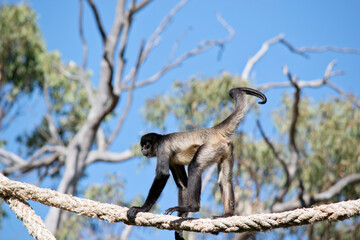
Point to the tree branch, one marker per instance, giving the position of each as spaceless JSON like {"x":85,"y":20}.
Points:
{"x":129,"y":100}
{"x":302,"y":51}
{"x":13,"y":158}
{"x":154,"y":39}
{"x":282,"y":162}
{"x":98,"y":21}
{"x":202,"y":47}
{"x":327,"y":195}
{"x":253,"y":60}
{"x":81,"y":33}
{"x":25,"y":166}
{"x":336,"y":188}
{"x":140,"y":5}
{"x":82,"y":77}
{"x":55,"y":137}
{"x":105,"y":156}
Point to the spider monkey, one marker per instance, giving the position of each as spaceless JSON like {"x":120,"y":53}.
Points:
{"x":198,"y":149}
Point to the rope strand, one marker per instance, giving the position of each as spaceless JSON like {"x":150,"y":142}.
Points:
{"x":113,"y":213}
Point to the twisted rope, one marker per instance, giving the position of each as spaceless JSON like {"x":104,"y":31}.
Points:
{"x":32,"y":222}
{"x":113,"y":213}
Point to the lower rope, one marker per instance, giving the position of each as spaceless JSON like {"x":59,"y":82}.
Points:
{"x":113,"y":213}
{"x":33,"y":223}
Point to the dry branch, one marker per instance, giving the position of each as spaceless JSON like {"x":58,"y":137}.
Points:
{"x":326,"y":195}
{"x":98,"y":21}
{"x":253,"y":60}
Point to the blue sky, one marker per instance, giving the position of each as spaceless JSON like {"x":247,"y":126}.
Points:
{"x":304,"y":23}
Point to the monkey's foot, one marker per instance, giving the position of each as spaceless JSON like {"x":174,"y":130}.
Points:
{"x":181,"y":209}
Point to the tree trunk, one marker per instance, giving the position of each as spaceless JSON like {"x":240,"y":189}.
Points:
{"x":80,"y":145}
{"x":74,"y":168}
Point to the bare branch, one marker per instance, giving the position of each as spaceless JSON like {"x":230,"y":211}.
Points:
{"x":302,"y":51}
{"x":106,"y":99}
{"x":98,"y":21}
{"x":121,"y":61}
{"x":327,"y":195}
{"x":294,"y":151}
{"x":282,"y":162}
{"x":101,"y":139}
{"x":311,"y":84}
{"x":155,"y":37}
{"x":126,"y":232}
{"x":176,"y":44}
{"x":42,"y":162}
{"x":116,"y":29}
{"x":140,"y":5}
{"x":336,"y":188}
{"x":295,"y":116}
{"x":13,"y":158}
{"x":48,"y":154}
{"x":124,"y":41}
{"x":202,"y":47}
{"x":47,"y":149}
{"x":82,"y":77}
{"x":55,"y":137}
{"x":82,"y":37}
{"x":130,"y":95}
{"x":96,"y":156}
{"x":253,"y":60}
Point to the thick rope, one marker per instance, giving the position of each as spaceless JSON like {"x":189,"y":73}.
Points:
{"x":113,"y":213}
{"x":32,"y":222}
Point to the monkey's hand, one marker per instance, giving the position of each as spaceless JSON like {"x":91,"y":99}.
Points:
{"x":131,"y":213}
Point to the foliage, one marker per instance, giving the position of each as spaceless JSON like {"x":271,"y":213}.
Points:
{"x":328,"y":138}
{"x":21,"y":57}
{"x":69,"y":105}
{"x":25,"y":65}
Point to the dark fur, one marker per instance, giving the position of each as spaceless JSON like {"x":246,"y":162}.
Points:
{"x":199,"y":150}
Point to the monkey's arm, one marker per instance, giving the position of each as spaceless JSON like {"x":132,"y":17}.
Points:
{"x":162,"y":175}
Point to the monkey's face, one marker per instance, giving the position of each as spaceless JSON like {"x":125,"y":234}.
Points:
{"x":149,"y":143}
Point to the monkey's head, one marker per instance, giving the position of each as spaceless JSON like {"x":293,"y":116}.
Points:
{"x":149,"y":143}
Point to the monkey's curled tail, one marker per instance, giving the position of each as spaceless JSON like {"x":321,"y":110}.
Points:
{"x":230,"y":124}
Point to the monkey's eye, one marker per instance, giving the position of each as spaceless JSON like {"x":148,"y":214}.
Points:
{"x":145,"y":145}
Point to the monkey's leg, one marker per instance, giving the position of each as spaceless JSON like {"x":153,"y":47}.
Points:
{"x":180,"y":177}
{"x":204,"y":157}
{"x":226,"y":186}
{"x":192,"y":198}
